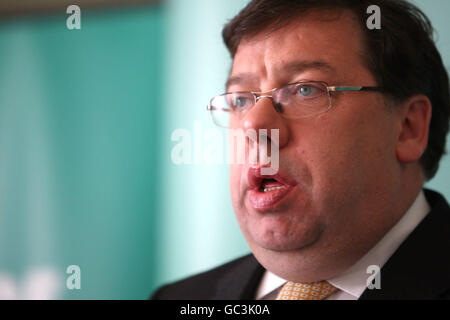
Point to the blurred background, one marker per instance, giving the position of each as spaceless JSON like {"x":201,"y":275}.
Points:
{"x":87,"y":123}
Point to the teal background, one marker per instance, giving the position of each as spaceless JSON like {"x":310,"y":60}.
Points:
{"x":79,"y":125}
{"x":86,"y":176}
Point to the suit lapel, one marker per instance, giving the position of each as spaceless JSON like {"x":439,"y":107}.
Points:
{"x":241,"y":282}
{"x":420,"y":268}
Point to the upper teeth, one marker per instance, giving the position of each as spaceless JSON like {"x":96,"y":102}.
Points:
{"x":273,"y":188}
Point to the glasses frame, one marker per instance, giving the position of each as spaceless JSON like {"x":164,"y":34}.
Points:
{"x":264,"y":94}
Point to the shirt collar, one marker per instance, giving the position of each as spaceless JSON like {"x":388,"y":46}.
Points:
{"x":354,"y":280}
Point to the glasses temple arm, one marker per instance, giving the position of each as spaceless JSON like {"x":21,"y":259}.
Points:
{"x":348,"y":88}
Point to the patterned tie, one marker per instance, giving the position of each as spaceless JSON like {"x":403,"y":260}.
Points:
{"x":310,"y":291}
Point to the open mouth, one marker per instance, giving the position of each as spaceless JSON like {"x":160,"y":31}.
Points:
{"x":270,"y":185}
{"x":267,"y":192}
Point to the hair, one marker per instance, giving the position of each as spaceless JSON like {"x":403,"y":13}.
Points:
{"x":401,"y":55}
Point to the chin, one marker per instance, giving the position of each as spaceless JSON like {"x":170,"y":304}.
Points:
{"x":284,"y":241}
{"x":282,"y":231}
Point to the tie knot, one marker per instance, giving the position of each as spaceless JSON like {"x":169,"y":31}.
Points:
{"x":306,"y":291}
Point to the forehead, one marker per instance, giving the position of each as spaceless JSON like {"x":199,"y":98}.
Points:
{"x":317,"y":42}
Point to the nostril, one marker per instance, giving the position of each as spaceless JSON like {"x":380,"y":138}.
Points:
{"x":278,"y":107}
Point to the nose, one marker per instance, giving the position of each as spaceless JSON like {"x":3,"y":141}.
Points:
{"x":263,"y":115}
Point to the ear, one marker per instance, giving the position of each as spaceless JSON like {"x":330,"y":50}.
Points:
{"x":414,"y":120}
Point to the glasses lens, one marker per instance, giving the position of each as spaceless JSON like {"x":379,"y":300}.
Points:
{"x":303,"y":99}
{"x":296,"y":100}
{"x":230,"y":107}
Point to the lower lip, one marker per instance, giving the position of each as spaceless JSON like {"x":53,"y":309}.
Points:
{"x":263,"y":201}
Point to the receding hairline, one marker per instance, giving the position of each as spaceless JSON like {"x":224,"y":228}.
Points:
{"x":325,"y":13}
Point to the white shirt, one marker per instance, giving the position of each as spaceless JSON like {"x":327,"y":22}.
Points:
{"x":352,"y":282}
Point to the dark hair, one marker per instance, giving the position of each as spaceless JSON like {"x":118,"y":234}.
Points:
{"x":401,"y":55}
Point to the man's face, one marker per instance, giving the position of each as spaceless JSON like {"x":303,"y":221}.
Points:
{"x":336,"y":169}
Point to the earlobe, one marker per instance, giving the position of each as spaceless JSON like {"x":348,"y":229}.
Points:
{"x":415,"y":116}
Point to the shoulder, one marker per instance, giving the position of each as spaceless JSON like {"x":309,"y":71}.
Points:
{"x":437,"y":201}
{"x":419,"y":268}
{"x":213,"y":283}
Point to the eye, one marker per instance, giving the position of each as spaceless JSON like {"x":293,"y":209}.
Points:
{"x":240,"y":101}
{"x":308,"y":90}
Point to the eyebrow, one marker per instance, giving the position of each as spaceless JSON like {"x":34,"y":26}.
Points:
{"x":293,"y":67}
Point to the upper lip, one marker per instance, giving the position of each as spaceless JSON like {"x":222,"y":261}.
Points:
{"x":255,"y":178}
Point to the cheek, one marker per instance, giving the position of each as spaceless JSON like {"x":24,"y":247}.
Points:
{"x":345,"y":155}
{"x":332,"y":154}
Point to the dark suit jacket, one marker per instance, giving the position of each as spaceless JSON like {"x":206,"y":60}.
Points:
{"x":419,"y":269}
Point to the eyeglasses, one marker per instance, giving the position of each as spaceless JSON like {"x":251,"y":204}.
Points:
{"x":294,"y":100}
